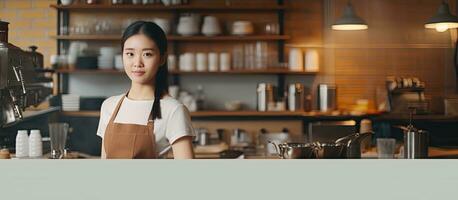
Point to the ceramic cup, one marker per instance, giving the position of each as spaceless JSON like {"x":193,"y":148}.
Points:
{"x":213,"y":62}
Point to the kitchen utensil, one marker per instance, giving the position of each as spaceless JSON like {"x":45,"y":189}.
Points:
{"x":327,"y":97}
{"x":353,"y":144}
{"x":265,"y":95}
{"x":330,"y":150}
{"x":58,"y":133}
{"x":203,"y":137}
{"x":294,"y":150}
{"x":386,"y":148}
{"x":242,"y":28}
{"x":211,"y":26}
{"x":276,"y":138}
{"x":416,"y":142}
{"x":365,"y":127}
{"x":240,"y":138}
{"x":296,"y":62}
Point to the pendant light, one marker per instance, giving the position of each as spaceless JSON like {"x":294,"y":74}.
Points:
{"x":443,"y":19}
{"x":349,"y":20}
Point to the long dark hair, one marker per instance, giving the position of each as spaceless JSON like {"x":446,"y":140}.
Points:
{"x":156,"y":34}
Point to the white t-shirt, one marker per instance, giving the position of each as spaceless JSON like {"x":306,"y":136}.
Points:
{"x":175,"y":122}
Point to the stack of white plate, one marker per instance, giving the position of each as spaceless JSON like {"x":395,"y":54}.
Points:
{"x":106,"y":58}
{"x":70,"y":102}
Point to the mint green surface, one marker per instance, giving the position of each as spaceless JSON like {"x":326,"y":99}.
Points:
{"x":228,"y":179}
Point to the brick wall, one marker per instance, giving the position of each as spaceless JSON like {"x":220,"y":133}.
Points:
{"x":32,"y":22}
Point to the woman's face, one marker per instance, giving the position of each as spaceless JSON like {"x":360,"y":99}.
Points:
{"x":141,"y":58}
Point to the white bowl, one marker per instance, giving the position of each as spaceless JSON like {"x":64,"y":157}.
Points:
{"x":66,"y":2}
{"x":242,"y":28}
{"x":233,"y":105}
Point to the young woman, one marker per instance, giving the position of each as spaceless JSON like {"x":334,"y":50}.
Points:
{"x":145,"y":120}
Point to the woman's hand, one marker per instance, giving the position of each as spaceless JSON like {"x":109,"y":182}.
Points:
{"x":182,"y":148}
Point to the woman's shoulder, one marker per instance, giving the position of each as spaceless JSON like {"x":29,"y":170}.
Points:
{"x":111,"y":102}
{"x":170,"y":103}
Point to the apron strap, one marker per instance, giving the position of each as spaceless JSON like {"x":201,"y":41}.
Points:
{"x":115,"y":112}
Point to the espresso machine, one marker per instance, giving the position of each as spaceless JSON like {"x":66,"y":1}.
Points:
{"x":22,"y":81}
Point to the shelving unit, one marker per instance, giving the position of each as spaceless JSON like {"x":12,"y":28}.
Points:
{"x":179,"y":38}
{"x":279,"y":9}
{"x":127,"y":7}
{"x":231,"y":72}
{"x":244,"y":114}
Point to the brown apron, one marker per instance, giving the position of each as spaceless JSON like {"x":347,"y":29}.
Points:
{"x":129,"y":140}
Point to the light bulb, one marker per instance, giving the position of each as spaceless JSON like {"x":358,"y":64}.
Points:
{"x":441,"y":27}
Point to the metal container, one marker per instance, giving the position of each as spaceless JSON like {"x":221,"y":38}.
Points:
{"x":296,"y":97}
{"x":416,"y":143}
{"x":330,"y":150}
{"x":203,"y":137}
{"x":265,"y":95}
{"x":295,"y":150}
{"x":327,"y":97}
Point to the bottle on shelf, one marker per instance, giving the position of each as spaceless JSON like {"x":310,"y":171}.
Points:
{"x":200,"y":98}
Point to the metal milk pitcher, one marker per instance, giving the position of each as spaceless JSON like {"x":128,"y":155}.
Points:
{"x":416,"y":141}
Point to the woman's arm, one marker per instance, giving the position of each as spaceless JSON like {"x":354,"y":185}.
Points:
{"x":104,"y":155}
{"x":182,"y":148}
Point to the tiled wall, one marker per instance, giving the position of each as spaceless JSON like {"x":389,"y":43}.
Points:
{"x":32,"y":22}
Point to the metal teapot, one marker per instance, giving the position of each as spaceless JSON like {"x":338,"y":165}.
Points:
{"x":345,"y":147}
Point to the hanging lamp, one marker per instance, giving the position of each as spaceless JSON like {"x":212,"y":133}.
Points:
{"x":443,"y":19}
{"x":349,"y":21}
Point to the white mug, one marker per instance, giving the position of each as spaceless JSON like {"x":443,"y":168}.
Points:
{"x":187,"y":62}
{"x":296,"y":62}
{"x":213,"y":62}
{"x":224,"y":61}
{"x":201,"y":59}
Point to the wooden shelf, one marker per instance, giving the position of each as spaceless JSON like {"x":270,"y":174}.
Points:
{"x":89,"y":71}
{"x":81,"y":113}
{"x":251,"y":113}
{"x":189,"y":7}
{"x":202,"y":114}
{"x":240,"y":72}
{"x":197,"y":38}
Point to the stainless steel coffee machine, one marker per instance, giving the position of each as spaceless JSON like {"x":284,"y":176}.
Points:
{"x":21,"y":82}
